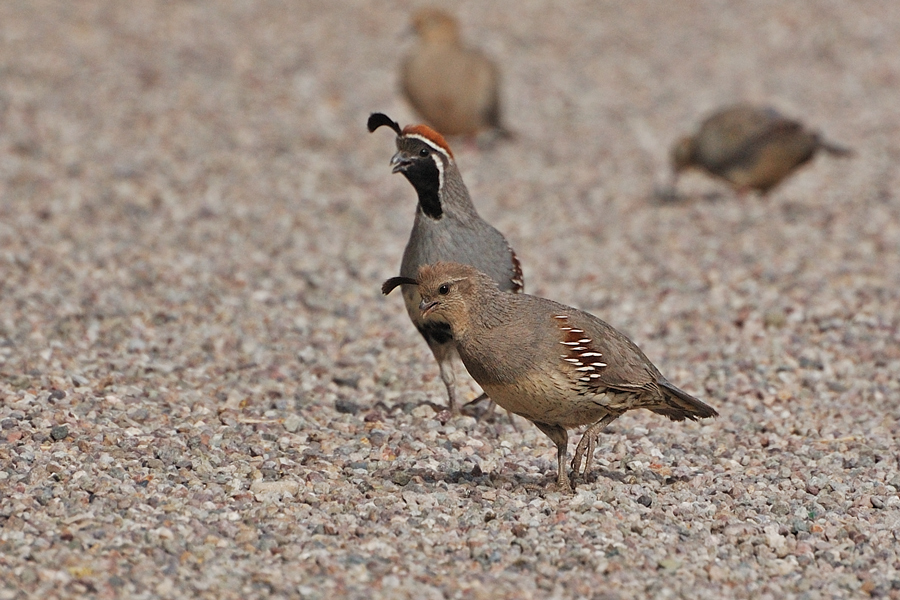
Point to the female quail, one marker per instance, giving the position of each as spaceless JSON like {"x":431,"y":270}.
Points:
{"x":456,"y":89}
{"x":752,"y":148}
{"x":557,"y":366}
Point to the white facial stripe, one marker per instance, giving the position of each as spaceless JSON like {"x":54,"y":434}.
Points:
{"x":422,"y":138}
{"x":437,"y":161}
{"x":440,"y":167}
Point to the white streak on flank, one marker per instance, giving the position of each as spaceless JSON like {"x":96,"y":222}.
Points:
{"x":580,"y":350}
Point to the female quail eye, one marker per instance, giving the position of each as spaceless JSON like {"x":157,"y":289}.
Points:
{"x":423,"y":152}
{"x":444,"y":290}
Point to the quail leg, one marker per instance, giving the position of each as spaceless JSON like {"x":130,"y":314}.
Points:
{"x":444,"y":353}
{"x":588,"y":443}
{"x":449,"y":379}
{"x":560,"y":437}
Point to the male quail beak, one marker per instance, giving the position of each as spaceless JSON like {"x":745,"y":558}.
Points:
{"x":427,"y":306}
{"x":400,"y":162}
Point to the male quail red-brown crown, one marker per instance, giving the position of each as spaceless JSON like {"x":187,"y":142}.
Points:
{"x":456,"y":89}
{"x":751,"y":147}
{"x":446,"y":228}
{"x":557,"y":366}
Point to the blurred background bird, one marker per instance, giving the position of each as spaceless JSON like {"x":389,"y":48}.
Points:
{"x":750,"y":147}
{"x":454,"y":88}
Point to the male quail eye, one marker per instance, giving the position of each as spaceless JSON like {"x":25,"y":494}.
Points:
{"x":423,"y":152}
{"x":444,"y":290}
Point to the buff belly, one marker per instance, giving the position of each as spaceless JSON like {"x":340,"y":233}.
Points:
{"x":549,"y":402}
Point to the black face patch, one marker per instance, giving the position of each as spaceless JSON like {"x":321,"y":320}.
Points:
{"x":424,"y":176}
{"x":436,"y":332}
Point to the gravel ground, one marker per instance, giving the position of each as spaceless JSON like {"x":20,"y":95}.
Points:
{"x":205,"y":395}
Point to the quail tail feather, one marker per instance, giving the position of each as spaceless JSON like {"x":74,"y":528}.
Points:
{"x":682,"y":405}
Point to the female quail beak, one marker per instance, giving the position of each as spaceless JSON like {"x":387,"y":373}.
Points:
{"x":426,"y":306}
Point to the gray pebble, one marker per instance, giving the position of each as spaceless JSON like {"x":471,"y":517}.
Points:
{"x":343,"y":405}
{"x":292,"y":423}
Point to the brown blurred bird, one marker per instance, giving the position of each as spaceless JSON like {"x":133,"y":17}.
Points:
{"x":456,"y":89}
{"x":557,"y":366}
{"x":752,"y":148}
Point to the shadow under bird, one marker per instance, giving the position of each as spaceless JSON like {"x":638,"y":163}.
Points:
{"x":456,"y":89}
{"x":446,"y":228}
{"x":557,"y":366}
{"x":750,"y":147}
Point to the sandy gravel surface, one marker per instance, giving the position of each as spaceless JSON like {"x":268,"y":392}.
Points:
{"x":205,"y":395}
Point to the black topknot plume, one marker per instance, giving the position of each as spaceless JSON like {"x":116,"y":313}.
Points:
{"x":388,"y":286}
{"x":376,"y":120}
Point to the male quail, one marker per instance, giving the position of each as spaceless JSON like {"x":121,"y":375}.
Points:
{"x":446,"y":227}
{"x":557,"y":366}
{"x":455,"y":88}
{"x":753,"y":148}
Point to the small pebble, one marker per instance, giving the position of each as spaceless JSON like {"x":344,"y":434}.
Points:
{"x":400,"y":478}
{"x":669,"y":564}
{"x":203,"y":392}
{"x":351,"y":381}
{"x":292,"y":423}
{"x":342,"y":405}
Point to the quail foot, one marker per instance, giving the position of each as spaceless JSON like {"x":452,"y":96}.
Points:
{"x":557,"y":366}
{"x":752,"y":148}
{"x":454,"y":88}
{"x":446,"y":228}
